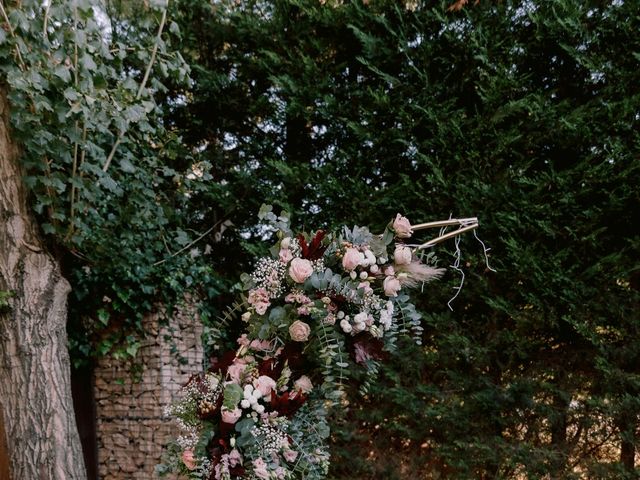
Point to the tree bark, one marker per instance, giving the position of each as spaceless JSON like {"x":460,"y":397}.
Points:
{"x":35,"y":389}
{"x":4,"y":456}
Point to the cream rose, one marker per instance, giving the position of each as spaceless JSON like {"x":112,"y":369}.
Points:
{"x":303,"y":384}
{"x":352,"y":258}
{"x":299,"y":331}
{"x":391,"y":286}
{"x":402,"y":255}
{"x":402,"y":227}
{"x":300,"y":269}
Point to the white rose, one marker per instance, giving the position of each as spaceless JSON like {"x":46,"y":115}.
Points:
{"x":346,"y":326}
{"x":359,"y":327}
{"x":361,"y":317}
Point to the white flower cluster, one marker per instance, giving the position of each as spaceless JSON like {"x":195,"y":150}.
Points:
{"x":372,"y":306}
{"x":251,"y":396}
{"x":318,"y":265}
{"x":294,"y":246}
{"x":270,"y":274}
{"x":272,"y":439}
{"x":189,"y":438}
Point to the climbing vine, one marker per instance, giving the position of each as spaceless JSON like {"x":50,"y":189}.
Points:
{"x":108,"y":180}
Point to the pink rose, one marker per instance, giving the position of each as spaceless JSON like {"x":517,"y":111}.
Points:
{"x":189,"y":459}
{"x":261,"y":307}
{"x":330,"y":319}
{"x":260,"y":345}
{"x":389,"y":271}
{"x":260,"y":469}
{"x":299,"y":331}
{"x":303,"y":384}
{"x":366,"y":286}
{"x":391,"y":286}
{"x":402,"y":227}
{"x":264,"y":384}
{"x":285,"y":255}
{"x":352,"y":258}
{"x":259,"y":299}
{"x":300,"y":269}
{"x":231,"y":416}
{"x":243,"y":341}
{"x":290,"y":455}
{"x":258,"y":295}
{"x":237,"y":368}
{"x":234,"y":458}
{"x":402,"y":255}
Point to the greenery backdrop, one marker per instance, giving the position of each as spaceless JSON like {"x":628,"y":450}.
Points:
{"x":523,"y":113}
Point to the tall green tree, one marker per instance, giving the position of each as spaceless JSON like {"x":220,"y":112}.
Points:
{"x":524,"y":113}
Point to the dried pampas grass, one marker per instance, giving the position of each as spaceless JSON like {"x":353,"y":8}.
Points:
{"x":417,"y":273}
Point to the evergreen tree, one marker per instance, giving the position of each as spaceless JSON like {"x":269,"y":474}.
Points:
{"x":524,"y":113}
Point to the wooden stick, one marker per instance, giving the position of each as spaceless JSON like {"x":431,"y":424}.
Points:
{"x":445,"y":223}
{"x":447,"y":236}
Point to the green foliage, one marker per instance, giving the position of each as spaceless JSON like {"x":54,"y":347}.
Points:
{"x":5,"y":295}
{"x":109,"y":181}
{"x":523,"y":113}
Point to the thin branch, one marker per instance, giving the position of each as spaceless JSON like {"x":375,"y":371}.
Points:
{"x":45,"y":34}
{"x":160,"y":262}
{"x":447,"y":236}
{"x":23,"y":67}
{"x":76,"y":145}
{"x":154,"y":52}
{"x":143,"y":84}
{"x":75,"y":45}
{"x":76,"y":166}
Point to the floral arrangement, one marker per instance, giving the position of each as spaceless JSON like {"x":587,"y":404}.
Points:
{"x":322,"y":309}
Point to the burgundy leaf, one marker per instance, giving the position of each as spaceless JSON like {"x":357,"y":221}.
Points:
{"x":366,"y":347}
{"x":287,"y":404}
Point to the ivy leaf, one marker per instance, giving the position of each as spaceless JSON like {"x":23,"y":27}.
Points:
{"x":63,"y":73}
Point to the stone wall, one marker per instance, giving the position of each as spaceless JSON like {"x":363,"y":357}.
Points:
{"x":131,"y":430}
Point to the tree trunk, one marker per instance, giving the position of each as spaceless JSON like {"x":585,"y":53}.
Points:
{"x":627,"y":424}
{"x":35,"y":389}
{"x":4,"y":455}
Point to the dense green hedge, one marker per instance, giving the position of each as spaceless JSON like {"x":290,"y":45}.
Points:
{"x":525,"y":114}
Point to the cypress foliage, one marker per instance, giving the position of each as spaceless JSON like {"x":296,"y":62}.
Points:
{"x":524,"y":113}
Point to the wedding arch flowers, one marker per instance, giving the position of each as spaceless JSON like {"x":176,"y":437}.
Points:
{"x":321,"y":307}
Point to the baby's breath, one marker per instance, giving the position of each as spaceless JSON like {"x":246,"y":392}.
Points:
{"x":271,"y":438}
{"x":269,"y":274}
